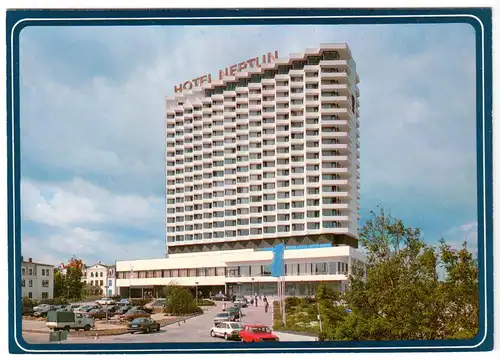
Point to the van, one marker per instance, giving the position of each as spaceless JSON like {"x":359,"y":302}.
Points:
{"x":67,"y":320}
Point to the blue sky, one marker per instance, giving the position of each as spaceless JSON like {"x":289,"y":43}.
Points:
{"x":92,"y":130}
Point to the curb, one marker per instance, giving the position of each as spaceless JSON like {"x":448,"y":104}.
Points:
{"x":115,"y":331}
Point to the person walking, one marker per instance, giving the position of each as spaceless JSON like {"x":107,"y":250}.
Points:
{"x":224,"y":306}
{"x":266,"y":306}
{"x":256,"y":301}
{"x":251,"y":301}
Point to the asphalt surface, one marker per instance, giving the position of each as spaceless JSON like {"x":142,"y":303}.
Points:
{"x":195,"y":329}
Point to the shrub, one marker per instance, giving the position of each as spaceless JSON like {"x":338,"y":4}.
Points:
{"x":140,"y":302}
{"x":206,"y":303}
{"x":55,"y":301}
{"x":179,"y":301}
{"x":28,"y":302}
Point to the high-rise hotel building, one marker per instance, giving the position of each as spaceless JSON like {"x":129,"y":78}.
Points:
{"x":266,"y":156}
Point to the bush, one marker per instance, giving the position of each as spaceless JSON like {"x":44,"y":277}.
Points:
{"x":180,"y":302}
{"x":140,"y":302}
{"x":29,"y":303}
{"x":206,"y":303}
{"x":55,"y":301}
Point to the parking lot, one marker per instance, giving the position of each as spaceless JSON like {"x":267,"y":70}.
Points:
{"x":195,"y":329}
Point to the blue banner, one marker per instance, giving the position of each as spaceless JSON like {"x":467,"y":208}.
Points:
{"x":278,"y":264}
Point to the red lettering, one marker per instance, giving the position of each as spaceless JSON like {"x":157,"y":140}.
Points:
{"x":257,"y":64}
{"x":232,"y":69}
{"x":188,"y":85}
{"x":251,"y":62}
{"x":178,"y":89}
{"x":203,"y":79}
{"x":263,"y":59}
{"x":195,"y":81}
{"x":209,"y":78}
{"x":271,"y":58}
{"x":242,"y":65}
{"x":222,"y":74}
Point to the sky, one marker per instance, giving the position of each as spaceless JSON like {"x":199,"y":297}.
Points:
{"x":93,"y":134}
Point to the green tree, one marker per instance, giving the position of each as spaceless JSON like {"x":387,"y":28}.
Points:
{"x":401,"y":296}
{"x":69,"y":285}
{"x":59,"y":284}
{"x":179,"y":301}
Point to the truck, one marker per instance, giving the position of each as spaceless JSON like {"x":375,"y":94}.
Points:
{"x":67,"y":320}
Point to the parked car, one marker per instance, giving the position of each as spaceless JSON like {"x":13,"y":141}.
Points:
{"x":224,"y":317}
{"x":69,"y":320}
{"x":105,"y":301}
{"x":221,"y":297}
{"x":228,"y":330}
{"x":257,"y":333}
{"x":133,"y":314}
{"x":40,"y":307}
{"x":111,"y":308}
{"x":243,"y":301}
{"x":144,"y":324}
{"x":42,"y":312}
{"x":234,"y":311}
{"x":99,"y":313}
{"x":122,"y":310}
{"x":141,"y":308}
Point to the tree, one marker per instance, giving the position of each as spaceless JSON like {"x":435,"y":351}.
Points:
{"x":179,"y":301}
{"x":59,"y":284}
{"x":69,"y":285}
{"x":401,"y":297}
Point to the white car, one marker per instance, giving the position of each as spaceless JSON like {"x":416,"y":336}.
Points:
{"x":105,"y":301}
{"x":228,"y":330}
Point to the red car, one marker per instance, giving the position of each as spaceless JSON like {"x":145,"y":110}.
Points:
{"x":257,"y":333}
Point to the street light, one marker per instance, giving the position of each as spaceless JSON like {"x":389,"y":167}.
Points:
{"x":196,"y":283}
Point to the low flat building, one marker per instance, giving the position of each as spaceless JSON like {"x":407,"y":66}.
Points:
{"x":240,"y":272}
{"x":37,"y":280}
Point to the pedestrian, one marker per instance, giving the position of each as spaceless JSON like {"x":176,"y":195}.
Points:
{"x":251,"y":301}
{"x":256,"y":301}
{"x":266,"y":307}
{"x":265,"y":299}
{"x":224,"y":306}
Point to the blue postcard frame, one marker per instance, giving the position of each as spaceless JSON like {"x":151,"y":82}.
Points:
{"x":479,"y":18}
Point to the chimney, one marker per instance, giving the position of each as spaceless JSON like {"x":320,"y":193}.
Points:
{"x":30,"y":260}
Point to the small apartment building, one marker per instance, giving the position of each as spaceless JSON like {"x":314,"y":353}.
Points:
{"x":103,"y":276}
{"x":37,"y":280}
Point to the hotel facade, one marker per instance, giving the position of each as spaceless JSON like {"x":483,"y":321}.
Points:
{"x":265,"y":156}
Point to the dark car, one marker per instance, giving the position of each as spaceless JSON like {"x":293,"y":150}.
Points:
{"x":100,"y":313}
{"x":234,"y":311}
{"x":133,"y":314}
{"x":141,"y":308}
{"x":122,"y":310}
{"x":143,"y":324}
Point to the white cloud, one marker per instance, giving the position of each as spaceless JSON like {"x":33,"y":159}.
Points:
{"x":90,"y":246}
{"x":79,"y":203}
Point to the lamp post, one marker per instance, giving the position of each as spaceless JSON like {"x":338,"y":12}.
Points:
{"x":252,"y":286}
{"x":196,"y":283}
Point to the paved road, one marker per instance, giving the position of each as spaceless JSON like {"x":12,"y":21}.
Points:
{"x":193,"y":330}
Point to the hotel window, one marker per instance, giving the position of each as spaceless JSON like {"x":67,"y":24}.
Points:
{"x":23,"y":283}
{"x":30,"y":283}
{"x":220,"y":271}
